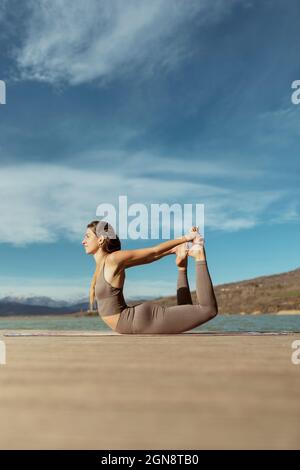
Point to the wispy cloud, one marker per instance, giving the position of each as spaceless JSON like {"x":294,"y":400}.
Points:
{"x":75,"y":42}
{"x":52,"y":201}
{"x":281,"y":125}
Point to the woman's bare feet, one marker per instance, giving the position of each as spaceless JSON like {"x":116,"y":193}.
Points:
{"x":182,"y":255}
{"x":197,"y":250}
{"x":190,"y":236}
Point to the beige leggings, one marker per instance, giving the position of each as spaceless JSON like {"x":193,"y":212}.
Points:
{"x":151,"y":318}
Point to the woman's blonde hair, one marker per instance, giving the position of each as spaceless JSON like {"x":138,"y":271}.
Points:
{"x":111,"y":243}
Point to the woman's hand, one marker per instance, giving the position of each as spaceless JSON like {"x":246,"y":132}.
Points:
{"x":192,"y":234}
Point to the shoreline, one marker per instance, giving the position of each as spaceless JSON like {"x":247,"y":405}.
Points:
{"x":75,"y":315}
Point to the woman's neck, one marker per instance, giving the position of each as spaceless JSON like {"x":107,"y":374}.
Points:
{"x":99,"y":256}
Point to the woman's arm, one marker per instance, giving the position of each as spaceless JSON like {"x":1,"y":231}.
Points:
{"x":127,"y":258}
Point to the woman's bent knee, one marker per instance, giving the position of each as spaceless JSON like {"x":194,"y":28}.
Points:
{"x":214,"y":312}
{"x":211,"y":311}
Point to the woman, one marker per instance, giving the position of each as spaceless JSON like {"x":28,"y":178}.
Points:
{"x":147,"y":317}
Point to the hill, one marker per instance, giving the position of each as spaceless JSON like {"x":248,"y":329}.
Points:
{"x":265,"y":294}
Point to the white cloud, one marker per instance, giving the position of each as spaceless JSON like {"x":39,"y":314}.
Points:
{"x":76,"y":42}
{"x":280,"y":126}
{"x":172,"y":168}
{"x":43,"y":202}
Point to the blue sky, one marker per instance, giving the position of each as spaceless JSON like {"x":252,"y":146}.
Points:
{"x":163,"y":101}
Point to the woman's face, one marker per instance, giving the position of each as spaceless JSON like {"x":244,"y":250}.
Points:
{"x":90,"y":242}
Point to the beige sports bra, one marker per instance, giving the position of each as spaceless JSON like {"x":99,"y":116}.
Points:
{"x":110,"y":300}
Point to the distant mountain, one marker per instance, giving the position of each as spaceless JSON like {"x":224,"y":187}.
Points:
{"x":20,"y":306}
{"x":265,"y":294}
{"x":45,"y":301}
{"x":17,"y":308}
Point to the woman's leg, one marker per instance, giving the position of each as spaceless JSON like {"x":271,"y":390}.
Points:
{"x":183,"y":290}
{"x":151,"y":318}
{"x":147,"y":309}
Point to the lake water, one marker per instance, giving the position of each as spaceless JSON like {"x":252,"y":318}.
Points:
{"x":225,"y":323}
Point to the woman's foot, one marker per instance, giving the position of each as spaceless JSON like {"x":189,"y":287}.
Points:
{"x":197,"y":248}
{"x":182,"y":255}
{"x":190,"y":236}
{"x":198,"y":241}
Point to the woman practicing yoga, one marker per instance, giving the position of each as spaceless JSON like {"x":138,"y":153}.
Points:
{"x":147,"y":317}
